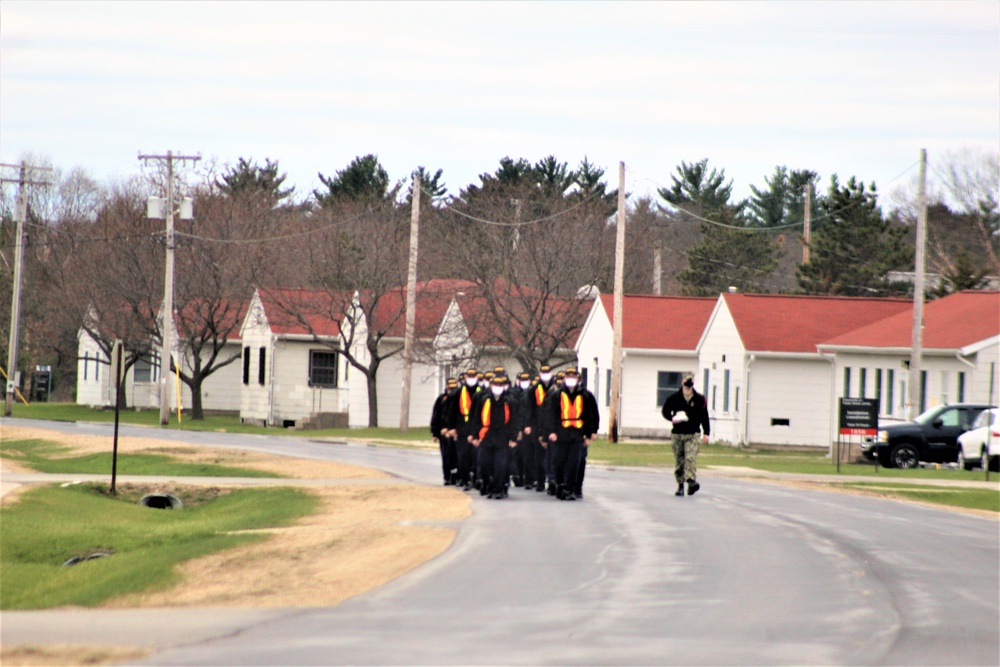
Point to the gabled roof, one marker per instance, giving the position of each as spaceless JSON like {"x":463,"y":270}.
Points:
{"x":223,"y":316}
{"x":950,"y":323}
{"x":304,"y":312}
{"x":792,"y":323}
{"x":661,"y":322}
{"x":526,"y":313}
{"x":433,"y":298}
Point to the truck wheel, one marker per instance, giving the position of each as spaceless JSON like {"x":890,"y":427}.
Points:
{"x":905,"y":456}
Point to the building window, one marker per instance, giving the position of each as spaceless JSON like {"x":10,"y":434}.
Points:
{"x":246,"y":365}
{"x":261,"y":365}
{"x":142,"y":371}
{"x":323,"y":368}
{"x":86,"y":362}
{"x":667,"y":383}
{"x":923,"y":390}
{"x":961,"y":386}
{"x":878,"y":387}
{"x":725,"y":391}
{"x":607,"y":390}
{"x":704,"y":383}
{"x":847,"y":382}
{"x":862,"y":382}
{"x":890,"y":379}
{"x":584,"y":376}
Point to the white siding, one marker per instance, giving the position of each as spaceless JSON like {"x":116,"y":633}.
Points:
{"x":722,"y":349}
{"x":796,"y":390}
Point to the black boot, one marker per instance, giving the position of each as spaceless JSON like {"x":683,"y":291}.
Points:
{"x":693,"y":487}
{"x":680,"y":489}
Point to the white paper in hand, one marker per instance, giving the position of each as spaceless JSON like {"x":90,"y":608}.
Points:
{"x":679,"y":418}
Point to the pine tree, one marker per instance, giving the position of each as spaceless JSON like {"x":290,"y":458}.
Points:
{"x":856,"y":248}
{"x":729,"y":256}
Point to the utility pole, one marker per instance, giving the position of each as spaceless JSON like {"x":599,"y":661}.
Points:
{"x":411,"y":305}
{"x":918,"y":291}
{"x":168,"y":286}
{"x":616,"y":351}
{"x":807,"y":226}
{"x":658,"y":266}
{"x":15,"y":307}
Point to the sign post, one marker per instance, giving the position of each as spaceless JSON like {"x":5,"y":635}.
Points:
{"x":858,"y":416}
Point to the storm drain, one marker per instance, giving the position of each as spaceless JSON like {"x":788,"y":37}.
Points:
{"x":79,"y":559}
{"x":161,"y":501}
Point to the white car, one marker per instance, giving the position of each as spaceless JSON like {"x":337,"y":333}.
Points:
{"x":980,"y":445}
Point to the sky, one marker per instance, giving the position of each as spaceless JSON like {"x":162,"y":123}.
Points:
{"x":847,"y":88}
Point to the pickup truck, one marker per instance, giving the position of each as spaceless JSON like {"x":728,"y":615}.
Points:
{"x":930,"y":438}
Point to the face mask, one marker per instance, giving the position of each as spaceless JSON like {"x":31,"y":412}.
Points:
{"x":525,"y":384}
{"x":570,"y":383}
{"x":497,"y":391}
{"x":471,"y":382}
{"x":545,"y":377}
{"x":689,"y":385}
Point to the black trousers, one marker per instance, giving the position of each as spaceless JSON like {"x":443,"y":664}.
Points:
{"x":449,"y":456}
{"x":494,"y":465}
{"x":583,"y":469}
{"x":566,"y":463}
{"x":465,"y":459}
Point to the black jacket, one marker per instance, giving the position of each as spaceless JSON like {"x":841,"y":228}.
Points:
{"x":590,"y":419}
{"x":455,"y":419}
{"x":696,"y":410}
{"x":502,"y":429}
{"x":439,"y":414}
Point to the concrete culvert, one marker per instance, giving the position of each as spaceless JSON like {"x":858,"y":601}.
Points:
{"x":161,"y":501}
{"x":79,"y":559}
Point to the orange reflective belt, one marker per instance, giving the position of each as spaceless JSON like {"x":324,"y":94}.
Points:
{"x":465,"y":403}
{"x":571,"y":412}
{"x":539,"y":394}
{"x":486,"y":417}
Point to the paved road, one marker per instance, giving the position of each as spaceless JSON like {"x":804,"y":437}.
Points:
{"x":742,"y":573}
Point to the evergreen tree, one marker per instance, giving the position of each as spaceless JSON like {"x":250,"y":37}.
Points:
{"x":729,"y":256}
{"x":963,"y":273}
{"x":699,"y":190}
{"x":853,"y":252}
{"x":364,"y":180}
{"x":249,"y":178}
{"x":768,"y":206}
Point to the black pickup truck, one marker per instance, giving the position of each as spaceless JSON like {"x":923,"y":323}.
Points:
{"x":931,"y":438}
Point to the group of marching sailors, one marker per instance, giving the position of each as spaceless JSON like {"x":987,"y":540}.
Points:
{"x":533,"y":433}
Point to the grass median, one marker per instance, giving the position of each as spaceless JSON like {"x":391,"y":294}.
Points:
{"x":50,"y":525}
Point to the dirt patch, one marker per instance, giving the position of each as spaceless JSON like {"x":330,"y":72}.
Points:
{"x":80,"y":445}
{"x":359,"y":538}
{"x":355,"y":542}
{"x":58,"y":655}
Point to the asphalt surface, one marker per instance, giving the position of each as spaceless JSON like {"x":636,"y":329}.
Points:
{"x":741,"y":573}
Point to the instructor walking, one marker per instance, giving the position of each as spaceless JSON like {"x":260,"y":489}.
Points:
{"x":687,"y":410}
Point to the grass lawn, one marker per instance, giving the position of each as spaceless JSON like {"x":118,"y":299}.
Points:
{"x":51,"y":524}
{"x":980,"y":499}
{"x":46,"y":456}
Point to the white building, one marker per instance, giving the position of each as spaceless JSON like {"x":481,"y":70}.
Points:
{"x":660,"y":337}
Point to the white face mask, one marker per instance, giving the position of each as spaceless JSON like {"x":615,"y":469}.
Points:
{"x":525,"y":384}
{"x":471,"y":382}
{"x":570,"y":383}
{"x":497,"y":391}
{"x":545,"y":377}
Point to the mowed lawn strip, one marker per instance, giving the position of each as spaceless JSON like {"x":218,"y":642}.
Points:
{"x":50,"y":457}
{"x":977,"y":499}
{"x":49,"y":525}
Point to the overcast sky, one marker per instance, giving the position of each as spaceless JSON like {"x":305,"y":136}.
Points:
{"x":853,"y":88}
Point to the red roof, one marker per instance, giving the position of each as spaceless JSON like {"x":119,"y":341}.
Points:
{"x":530,"y":318}
{"x":950,"y":323}
{"x":433,"y":299}
{"x":790,"y":323}
{"x":201,"y":317}
{"x":303,"y":311}
{"x":661,"y":322}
